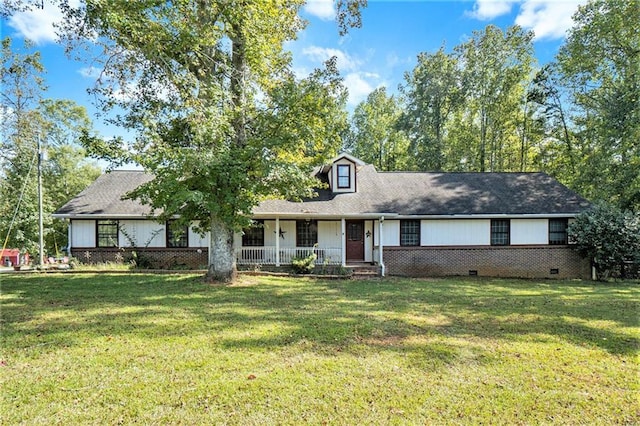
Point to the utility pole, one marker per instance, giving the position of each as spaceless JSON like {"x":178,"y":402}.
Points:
{"x":40,"y":221}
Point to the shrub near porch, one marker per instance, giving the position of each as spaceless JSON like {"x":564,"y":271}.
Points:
{"x":270,"y":350}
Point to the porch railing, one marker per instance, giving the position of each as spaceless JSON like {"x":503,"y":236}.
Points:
{"x":267,"y":255}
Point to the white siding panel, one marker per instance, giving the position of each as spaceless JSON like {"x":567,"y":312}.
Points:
{"x":455,"y":232}
{"x":288,"y":228}
{"x":270,"y":233}
{"x":391,"y":232}
{"x":529,"y":231}
{"x":197,"y":240}
{"x":83,"y":233}
{"x":368,"y":241}
{"x":141,"y":233}
{"x":329,"y":234}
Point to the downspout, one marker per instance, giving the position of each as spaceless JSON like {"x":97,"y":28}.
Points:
{"x":381,"y":245}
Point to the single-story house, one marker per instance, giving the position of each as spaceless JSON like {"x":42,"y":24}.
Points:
{"x":406,"y":223}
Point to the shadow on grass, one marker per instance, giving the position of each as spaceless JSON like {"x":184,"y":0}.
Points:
{"x":432,"y":322}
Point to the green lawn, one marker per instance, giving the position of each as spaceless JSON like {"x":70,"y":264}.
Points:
{"x":171,"y":349}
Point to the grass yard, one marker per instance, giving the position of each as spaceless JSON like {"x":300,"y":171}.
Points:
{"x":171,"y":349}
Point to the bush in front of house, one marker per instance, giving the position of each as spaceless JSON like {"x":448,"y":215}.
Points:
{"x":304,"y":265}
{"x":608,"y":236}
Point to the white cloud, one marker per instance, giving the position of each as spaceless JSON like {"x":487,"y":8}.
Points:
{"x":321,"y":54}
{"x":322,"y":9}
{"x":90,"y":72}
{"x":359,"y":87}
{"x":38,"y":25}
{"x":485,"y":10}
{"x":549,"y":19}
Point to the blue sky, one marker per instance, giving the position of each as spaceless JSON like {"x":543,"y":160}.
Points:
{"x":393,"y":33}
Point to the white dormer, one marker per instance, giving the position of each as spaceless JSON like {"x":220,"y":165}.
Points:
{"x":342,"y":173}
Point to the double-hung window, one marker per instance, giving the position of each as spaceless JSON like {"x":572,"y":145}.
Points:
{"x":344,"y":176}
{"x":107,"y":233}
{"x":409,"y":232}
{"x":177,"y":236}
{"x":253,"y":236}
{"x":558,"y":231}
{"x":306,"y":233}
{"x":500,"y":232}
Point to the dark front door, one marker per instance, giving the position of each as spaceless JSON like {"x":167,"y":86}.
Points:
{"x":355,"y":240}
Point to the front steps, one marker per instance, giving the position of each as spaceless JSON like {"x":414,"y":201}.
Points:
{"x":364,"y":270}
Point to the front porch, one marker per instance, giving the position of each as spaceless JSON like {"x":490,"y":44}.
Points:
{"x":334,"y":242}
{"x":271,"y":255}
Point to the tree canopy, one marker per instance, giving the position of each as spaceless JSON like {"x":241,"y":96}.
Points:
{"x":26,"y":117}
{"x":222,"y":121}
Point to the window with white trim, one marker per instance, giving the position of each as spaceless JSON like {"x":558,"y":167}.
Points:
{"x":344,"y":176}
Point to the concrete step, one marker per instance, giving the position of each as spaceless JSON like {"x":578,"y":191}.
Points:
{"x":364,"y":271}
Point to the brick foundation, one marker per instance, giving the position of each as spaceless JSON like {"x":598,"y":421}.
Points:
{"x":511,"y":261}
{"x":148,"y":258}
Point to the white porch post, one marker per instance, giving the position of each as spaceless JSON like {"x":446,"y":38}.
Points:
{"x":277,"y":241}
{"x":69,"y":239}
{"x":380,"y":245}
{"x":343,"y":226}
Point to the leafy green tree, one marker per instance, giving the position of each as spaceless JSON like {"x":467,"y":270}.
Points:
{"x":559,"y":153}
{"x":222,"y":122}
{"x":496,"y":67}
{"x":375,"y":137}
{"x":433,"y":92}
{"x":600,"y":67}
{"x":27,"y":117}
{"x":607,"y":236}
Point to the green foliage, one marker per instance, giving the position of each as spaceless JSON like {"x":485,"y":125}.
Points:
{"x":496,"y":67}
{"x":433,"y":92}
{"x":222,"y":121}
{"x":608,"y":236}
{"x":466,"y":110}
{"x":304,"y":265}
{"x":374,"y":137}
{"x":27,"y":117}
{"x":599,"y":67}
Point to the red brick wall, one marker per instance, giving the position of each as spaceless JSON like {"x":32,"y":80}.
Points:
{"x":511,"y":261}
{"x":153,"y":258}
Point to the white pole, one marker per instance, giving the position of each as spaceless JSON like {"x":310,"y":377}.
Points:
{"x":40,"y":220}
{"x":380,"y":246}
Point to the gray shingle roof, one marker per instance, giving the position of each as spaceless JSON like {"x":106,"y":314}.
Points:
{"x":401,"y":193}
{"x":104,"y":196}
{"x":419,"y":193}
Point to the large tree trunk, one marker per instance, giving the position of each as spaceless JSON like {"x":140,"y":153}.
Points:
{"x":222,"y":257}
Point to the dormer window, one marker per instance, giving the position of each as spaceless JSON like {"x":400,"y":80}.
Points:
{"x":342,"y":173}
{"x":344,"y":176}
